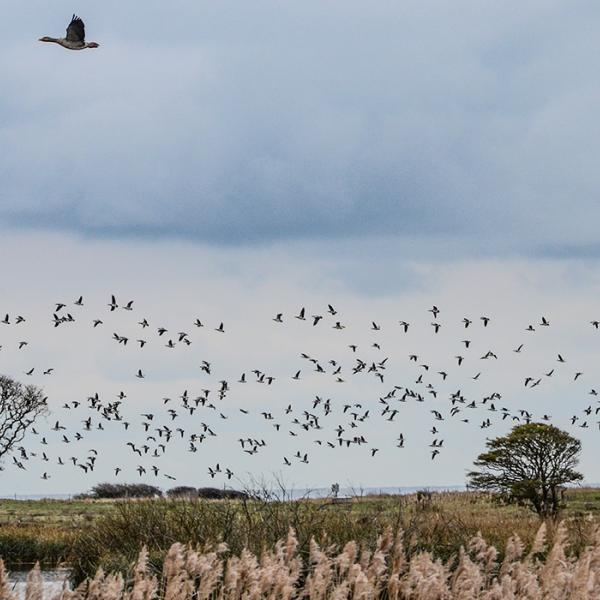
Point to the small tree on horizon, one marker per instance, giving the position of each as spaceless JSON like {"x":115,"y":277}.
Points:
{"x":529,"y":465}
{"x":20,"y":406}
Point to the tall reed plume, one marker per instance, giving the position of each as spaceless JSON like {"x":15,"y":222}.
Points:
{"x":353,"y":573}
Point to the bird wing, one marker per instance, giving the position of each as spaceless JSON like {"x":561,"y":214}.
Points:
{"x":76,"y":30}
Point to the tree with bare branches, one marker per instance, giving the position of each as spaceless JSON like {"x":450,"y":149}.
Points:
{"x":20,"y":406}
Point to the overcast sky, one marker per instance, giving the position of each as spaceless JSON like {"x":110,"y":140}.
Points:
{"x":231,"y":160}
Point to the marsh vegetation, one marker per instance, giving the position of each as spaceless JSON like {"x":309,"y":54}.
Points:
{"x":87,"y":534}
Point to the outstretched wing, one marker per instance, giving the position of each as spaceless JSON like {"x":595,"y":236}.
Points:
{"x":76,"y":30}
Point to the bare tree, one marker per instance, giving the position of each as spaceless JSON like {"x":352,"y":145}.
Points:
{"x":20,"y":406}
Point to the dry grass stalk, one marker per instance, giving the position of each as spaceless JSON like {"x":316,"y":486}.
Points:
{"x":387,"y":572}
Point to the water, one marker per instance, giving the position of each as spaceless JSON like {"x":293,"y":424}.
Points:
{"x":358,"y":491}
{"x":53,"y":579}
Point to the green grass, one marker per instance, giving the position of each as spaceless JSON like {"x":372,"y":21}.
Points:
{"x":59,"y":512}
{"x":44,"y":530}
{"x":583,"y":501}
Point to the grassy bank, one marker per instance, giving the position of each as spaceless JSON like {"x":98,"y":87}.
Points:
{"x":44,"y":530}
{"x":88,"y":534}
{"x":391,"y":570}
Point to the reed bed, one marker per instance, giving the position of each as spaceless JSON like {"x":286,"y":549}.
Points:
{"x":546,"y":571}
{"x":31,"y":543}
{"x":440,"y":524}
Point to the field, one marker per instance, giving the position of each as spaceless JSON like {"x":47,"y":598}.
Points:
{"x":85,"y":534}
{"x":44,"y":530}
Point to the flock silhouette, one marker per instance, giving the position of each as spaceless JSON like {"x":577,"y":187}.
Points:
{"x":327,"y":422}
{"x":333,"y":423}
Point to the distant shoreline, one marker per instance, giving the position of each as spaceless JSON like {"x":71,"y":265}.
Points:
{"x":304,"y":492}
{"x":294,"y":493}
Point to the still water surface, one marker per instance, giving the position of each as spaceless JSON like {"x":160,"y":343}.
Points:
{"x":54,"y":579}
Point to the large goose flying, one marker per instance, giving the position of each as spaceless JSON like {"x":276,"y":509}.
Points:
{"x":75,"y":39}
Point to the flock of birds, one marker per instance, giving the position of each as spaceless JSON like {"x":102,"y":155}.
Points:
{"x":193,"y":419}
{"x":324,"y":421}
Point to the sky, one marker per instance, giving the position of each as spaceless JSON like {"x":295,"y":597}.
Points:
{"x":230,"y":160}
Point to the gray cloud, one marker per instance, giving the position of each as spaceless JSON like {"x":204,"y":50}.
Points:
{"x":244,"y":123}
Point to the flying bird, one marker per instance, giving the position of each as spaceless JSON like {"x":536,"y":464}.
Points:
{"x":75,"y":39}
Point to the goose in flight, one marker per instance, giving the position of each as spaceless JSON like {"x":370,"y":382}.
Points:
{"x":75,"y":39}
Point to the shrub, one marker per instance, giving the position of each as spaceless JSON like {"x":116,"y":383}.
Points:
{"x":114,"y":539}
{"x":217,"y":494}
{"x":125,"y":490}
{"x":182,"y":490}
